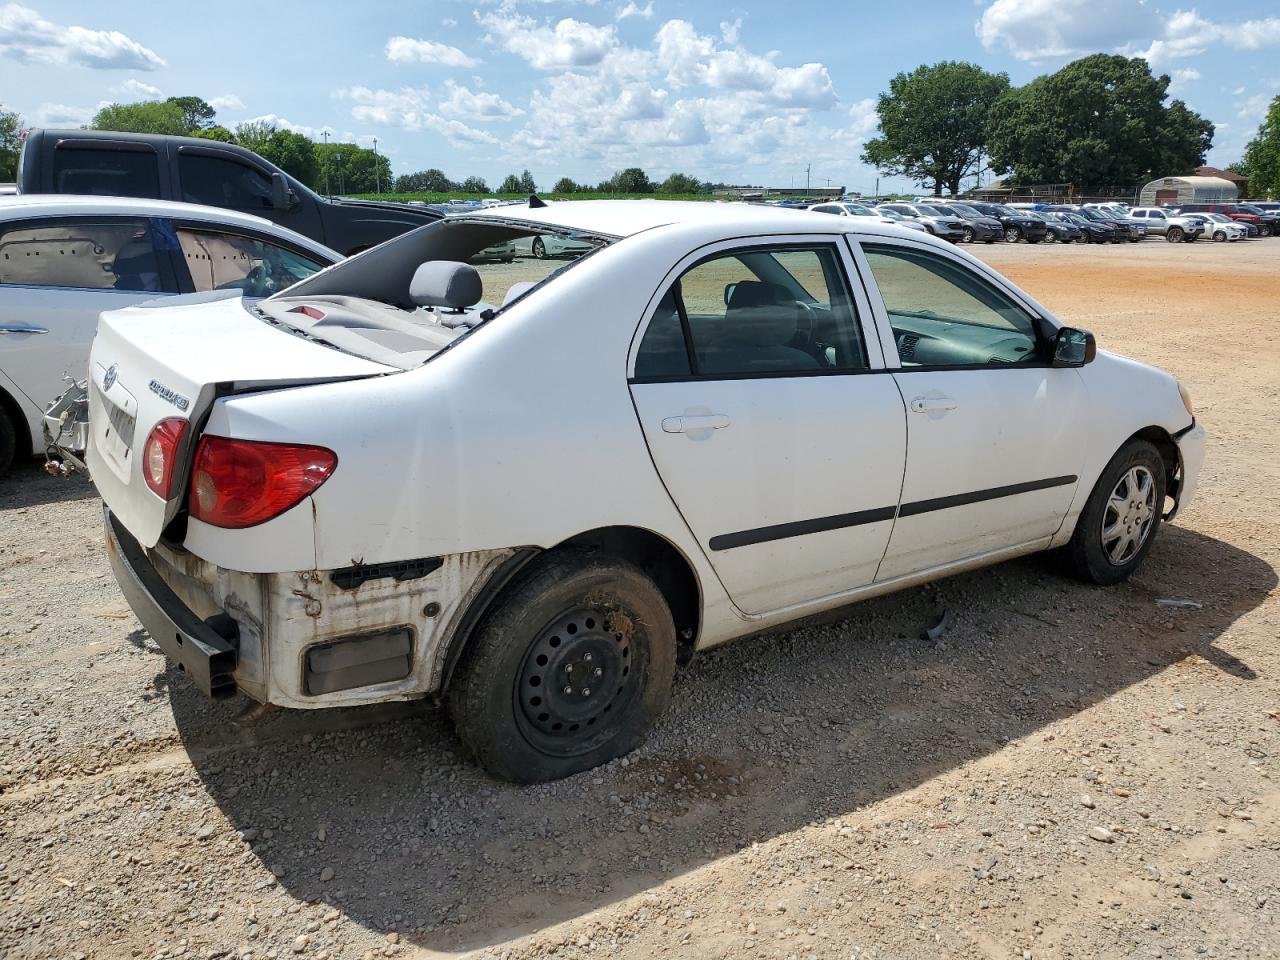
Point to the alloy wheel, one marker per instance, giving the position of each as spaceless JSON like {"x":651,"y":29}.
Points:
{"x":1129,"y":515}
{"x":1011,"y":234}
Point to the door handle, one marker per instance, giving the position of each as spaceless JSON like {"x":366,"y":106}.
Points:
{"x":712,"y":421}
{"x":929,"y":404}
{"x":19,"y":328}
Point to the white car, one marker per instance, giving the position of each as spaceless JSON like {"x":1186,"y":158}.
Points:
{"x":1219,"y":227}
{"x":65,"y":259}
{"x":846,"y":209}
{"x":554,"y":245}
{"x":381,"y":485}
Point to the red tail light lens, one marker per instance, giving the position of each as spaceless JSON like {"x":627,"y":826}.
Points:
{"x":241,"y":483}
{"x":160,"y":453}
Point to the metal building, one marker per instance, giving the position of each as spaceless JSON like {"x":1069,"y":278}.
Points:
{"x":1171,"y":190}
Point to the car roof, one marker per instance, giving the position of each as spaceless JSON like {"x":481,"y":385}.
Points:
{"x":624,"y":218}
{"x":62,"y":204}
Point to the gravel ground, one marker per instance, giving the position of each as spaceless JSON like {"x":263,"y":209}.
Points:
{"x":1068,"y":772}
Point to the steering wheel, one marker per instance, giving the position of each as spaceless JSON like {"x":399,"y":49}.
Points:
{"x":805,"y":324}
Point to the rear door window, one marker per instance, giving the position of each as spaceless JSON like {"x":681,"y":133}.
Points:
{"x":218,"y":260}
{"x":105,"y":172}
{"x":220,"y":182}
{"x":89,"y":254}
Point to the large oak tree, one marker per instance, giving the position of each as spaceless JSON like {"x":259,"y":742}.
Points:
{"x":933,"y":123}
{"x":1262,"y":156}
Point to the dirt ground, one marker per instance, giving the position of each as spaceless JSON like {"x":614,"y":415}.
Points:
{"x":1069,"y":772}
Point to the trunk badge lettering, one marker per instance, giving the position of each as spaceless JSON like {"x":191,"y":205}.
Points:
{"x":109,"y":378}
{"x":160,"y":390}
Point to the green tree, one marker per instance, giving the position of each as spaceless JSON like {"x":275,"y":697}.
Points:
{"x":147,"y":116}
{"x":425,"y":181}
{"x":680,"y":183}
{"x":510,"y":184}
{"x":196,"y":114}
{"x":526,"y":183}
{"x":1262,"y":155}
{"x":347,"y":168}
{"x":474,"y":185}
{"x":294,"y":153}
{"x":1099,"y":120}
{"x":10,"y":144}
{"x":630,"y":180}
{"x":565,"y":185}
{"x":254,"y":134}
{"x":217,"y":132}
{"x":933,"y":123}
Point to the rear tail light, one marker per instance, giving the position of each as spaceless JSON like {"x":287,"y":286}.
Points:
{"x":160,"y":454}
{"x":241,"y":483}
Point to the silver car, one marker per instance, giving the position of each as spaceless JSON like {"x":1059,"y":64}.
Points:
{"x":939,"y":224}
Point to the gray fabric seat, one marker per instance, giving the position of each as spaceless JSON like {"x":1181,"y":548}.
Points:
{"x":445,"y":283}
{"x":759,"y":326}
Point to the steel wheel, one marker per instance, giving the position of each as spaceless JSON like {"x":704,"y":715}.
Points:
{"x":1129,"y":514}
{"x":576,"y":673}
{"x":539,"y":248}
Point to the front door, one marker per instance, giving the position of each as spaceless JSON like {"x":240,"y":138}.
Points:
{"x":995,"y":440}
{"x":771,"y":420}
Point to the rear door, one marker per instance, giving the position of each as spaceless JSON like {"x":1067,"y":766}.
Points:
{"x":770,"y":418}
{"x":56,"y":276}
{"x":994,"y":437}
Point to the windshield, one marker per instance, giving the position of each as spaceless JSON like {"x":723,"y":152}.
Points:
{"x":1035,"y":215}
{"x":890,"y":214}
{"x":969,"y":213}
{"x":931,"y":211}
{"x":1004,"y":211}
{"x":855,"y":210}
{"x":1218,"y":218}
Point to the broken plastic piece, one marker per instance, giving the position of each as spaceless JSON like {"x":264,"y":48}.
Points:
{"x":937,"y":630}
{"x":1173,"y":603}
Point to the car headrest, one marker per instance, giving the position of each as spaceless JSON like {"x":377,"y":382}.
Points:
{"x":756,"y":293}
{"x":445,"y":283}
{"x":518,"y":290}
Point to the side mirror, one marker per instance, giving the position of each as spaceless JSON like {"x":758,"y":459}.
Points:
{"x":282,"y":197}
{"x":728,"y":292}
{"x":1073,"y":347}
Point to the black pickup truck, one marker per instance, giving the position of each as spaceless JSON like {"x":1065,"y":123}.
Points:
{"x":193,"y":170}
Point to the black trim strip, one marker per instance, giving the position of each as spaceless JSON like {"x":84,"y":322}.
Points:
{"x":800,"y":528}
{"x":1185,"y":430}
{"x":977,"y":496}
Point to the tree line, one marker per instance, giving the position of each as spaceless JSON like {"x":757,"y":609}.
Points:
{"x":631,"y":180}
{"x":1100,"y":120}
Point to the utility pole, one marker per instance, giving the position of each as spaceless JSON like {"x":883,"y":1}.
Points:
{"x":327,"y":191}
{"x":806,"y":179}
{"x":877,"y":188}
{"x":377,"y":169}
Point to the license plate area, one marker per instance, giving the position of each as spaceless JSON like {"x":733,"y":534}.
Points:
{"x":113,"y":427}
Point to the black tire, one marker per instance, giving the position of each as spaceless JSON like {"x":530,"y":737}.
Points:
{"x":1050,"y":237}
{"x":967,"y":235}
{"x":1090,"y":555}
{"x":8,"y":442}
{"x":1173,"y":234}
{"x":1012,"y":234}
{"x":539,"y":249}
{"x":1220,"y":236}
{"x":1265,"y":230}
{"x":566,"y":616}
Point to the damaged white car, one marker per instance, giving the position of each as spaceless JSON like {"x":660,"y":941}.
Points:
{"x":533,"y":500}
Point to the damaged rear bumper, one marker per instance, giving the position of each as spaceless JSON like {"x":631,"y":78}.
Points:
{"x":304,"y":639}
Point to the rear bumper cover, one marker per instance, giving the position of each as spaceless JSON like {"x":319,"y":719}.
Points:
{"x":200,"y":651}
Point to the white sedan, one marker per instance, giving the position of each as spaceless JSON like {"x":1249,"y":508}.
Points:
{"x":532,"y":502}
{"x":846,"y":209}
{"x":66,"y":259}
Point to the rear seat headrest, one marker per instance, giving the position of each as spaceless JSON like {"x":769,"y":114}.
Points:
{"x":445,"y":283}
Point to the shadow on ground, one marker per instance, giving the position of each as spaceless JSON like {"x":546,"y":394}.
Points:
{"x":764,"y":736}
{"x":29,"y":486}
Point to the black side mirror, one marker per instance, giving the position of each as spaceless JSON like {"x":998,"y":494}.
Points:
{"x":728,"y":292}
{"x":1073,"y":347}
{"x":282,"y":197}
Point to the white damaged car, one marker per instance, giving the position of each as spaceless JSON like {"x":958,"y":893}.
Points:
{"x":532,"y":501}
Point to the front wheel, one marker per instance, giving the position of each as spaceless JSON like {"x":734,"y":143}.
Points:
{"x":1012,"y":234}
{"x":968,"y":235}
{"x":1121,"y":517}
{"x":1265,"y":231}
{"x":569,"y":669}
{"x":1173,"y":234}
{"x":539,"y":248}
{"x":1050,"y":237}
{"x":1220,"y":236}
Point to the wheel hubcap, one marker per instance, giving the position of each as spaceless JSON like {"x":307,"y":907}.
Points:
{"x":1129,"y":516}
{"x":575,"y":675}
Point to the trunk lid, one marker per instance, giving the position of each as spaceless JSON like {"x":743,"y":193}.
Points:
{"x":151,"y":363}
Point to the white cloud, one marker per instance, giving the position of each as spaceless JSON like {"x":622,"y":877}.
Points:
{"x":632,"y":9}
{"x":63,"y":115}
{"x":448,"y":22}
{"x":407,"y":108}
{"x":1187,"y":34}
{"x":409,"y":50}
{"x":136,"y":88}
{"x":570,"y":43}
{"x":27,"y":37}
{"x":865,"y":118}
{"x":283,"y":123}
{"x":228,"y":101}
{"x":690,"y":58}
{"x":1035,"y":30}
{"x":461,"y":102}
{"x":1179,"y":79}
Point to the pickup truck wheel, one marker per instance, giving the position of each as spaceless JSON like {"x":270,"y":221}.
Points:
{"x":1121,"y":517}
{"x":569,"y":669}
{"x":1173,"y":234}
{"x":8,"y":443}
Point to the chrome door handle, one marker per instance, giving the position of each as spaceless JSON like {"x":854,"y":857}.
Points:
{"x":19,"y":328}
{"x":712,"y":421}
{"x":928,"y":404}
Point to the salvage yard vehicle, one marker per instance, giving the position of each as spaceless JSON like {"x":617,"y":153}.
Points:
{"x":533,"y":501}
{"x":1221,"y":228}
{"x":1017,"y":225}
{"x":64,"y":260}
{"x":202,"y":171}
{"x":1168,"y":224}
{"x":939,"y":224}
{"x":978,"y":226}
{"x":1059,"y":231}
{"x":845,"y":209}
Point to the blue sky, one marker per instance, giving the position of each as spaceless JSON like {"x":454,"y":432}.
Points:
{"x":752,"y":93}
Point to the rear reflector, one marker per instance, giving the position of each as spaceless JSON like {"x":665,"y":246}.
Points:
{"x":160,"y":453}
{"x":241,"y":483}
